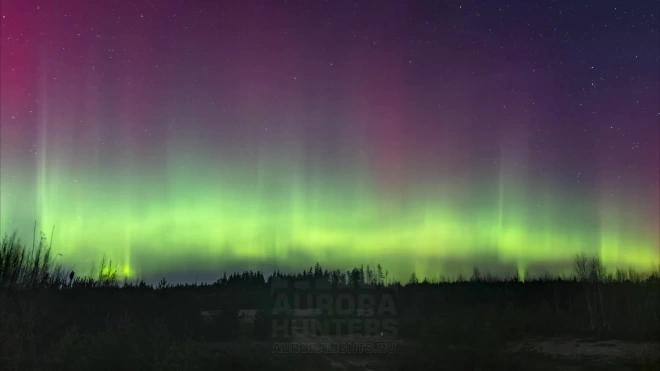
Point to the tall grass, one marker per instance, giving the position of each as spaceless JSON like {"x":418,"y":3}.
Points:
{"x":49,"y":321}
{"x":28,"y":268}
{"x":24,"y":268}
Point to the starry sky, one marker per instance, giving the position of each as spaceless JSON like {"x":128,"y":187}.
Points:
{"x":183,"y":138}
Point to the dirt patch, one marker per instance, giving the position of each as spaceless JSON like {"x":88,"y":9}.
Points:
{"x":577,"y":348}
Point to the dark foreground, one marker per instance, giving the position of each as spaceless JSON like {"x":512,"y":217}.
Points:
{"x":50,"y":320}
{"x":249,"y":354}
{"x":454,"y":326}
{"x":530,"y":355}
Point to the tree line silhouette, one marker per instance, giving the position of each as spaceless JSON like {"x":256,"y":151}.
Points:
{"x":48,"y":316}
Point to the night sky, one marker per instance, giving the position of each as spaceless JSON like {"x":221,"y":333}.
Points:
{"x":183,"y":138}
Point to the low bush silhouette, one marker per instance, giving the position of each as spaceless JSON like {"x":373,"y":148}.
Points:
{"x":50,"y":319}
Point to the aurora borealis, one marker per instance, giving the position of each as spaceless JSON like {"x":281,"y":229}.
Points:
{"x":197,"y":136}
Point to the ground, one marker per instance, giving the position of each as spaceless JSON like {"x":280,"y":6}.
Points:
{"x":531,"y":354}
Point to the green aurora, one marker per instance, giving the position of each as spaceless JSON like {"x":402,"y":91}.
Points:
{"x":422,"y":139}
{"x":149,"y":224}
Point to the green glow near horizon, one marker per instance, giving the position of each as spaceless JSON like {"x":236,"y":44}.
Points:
{"x":274,"y":216}
{"x":190,"y":207}
{"x":178,"y":149}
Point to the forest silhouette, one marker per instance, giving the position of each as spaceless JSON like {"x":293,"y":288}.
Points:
{"x":52,"y":318}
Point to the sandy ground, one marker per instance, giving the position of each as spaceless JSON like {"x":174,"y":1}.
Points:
{"x":540,"y":354}
{"x":565,"y":352}
{"x":578,"y":348}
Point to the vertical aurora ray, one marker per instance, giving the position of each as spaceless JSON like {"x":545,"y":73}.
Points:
{"x":230,"y":138}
